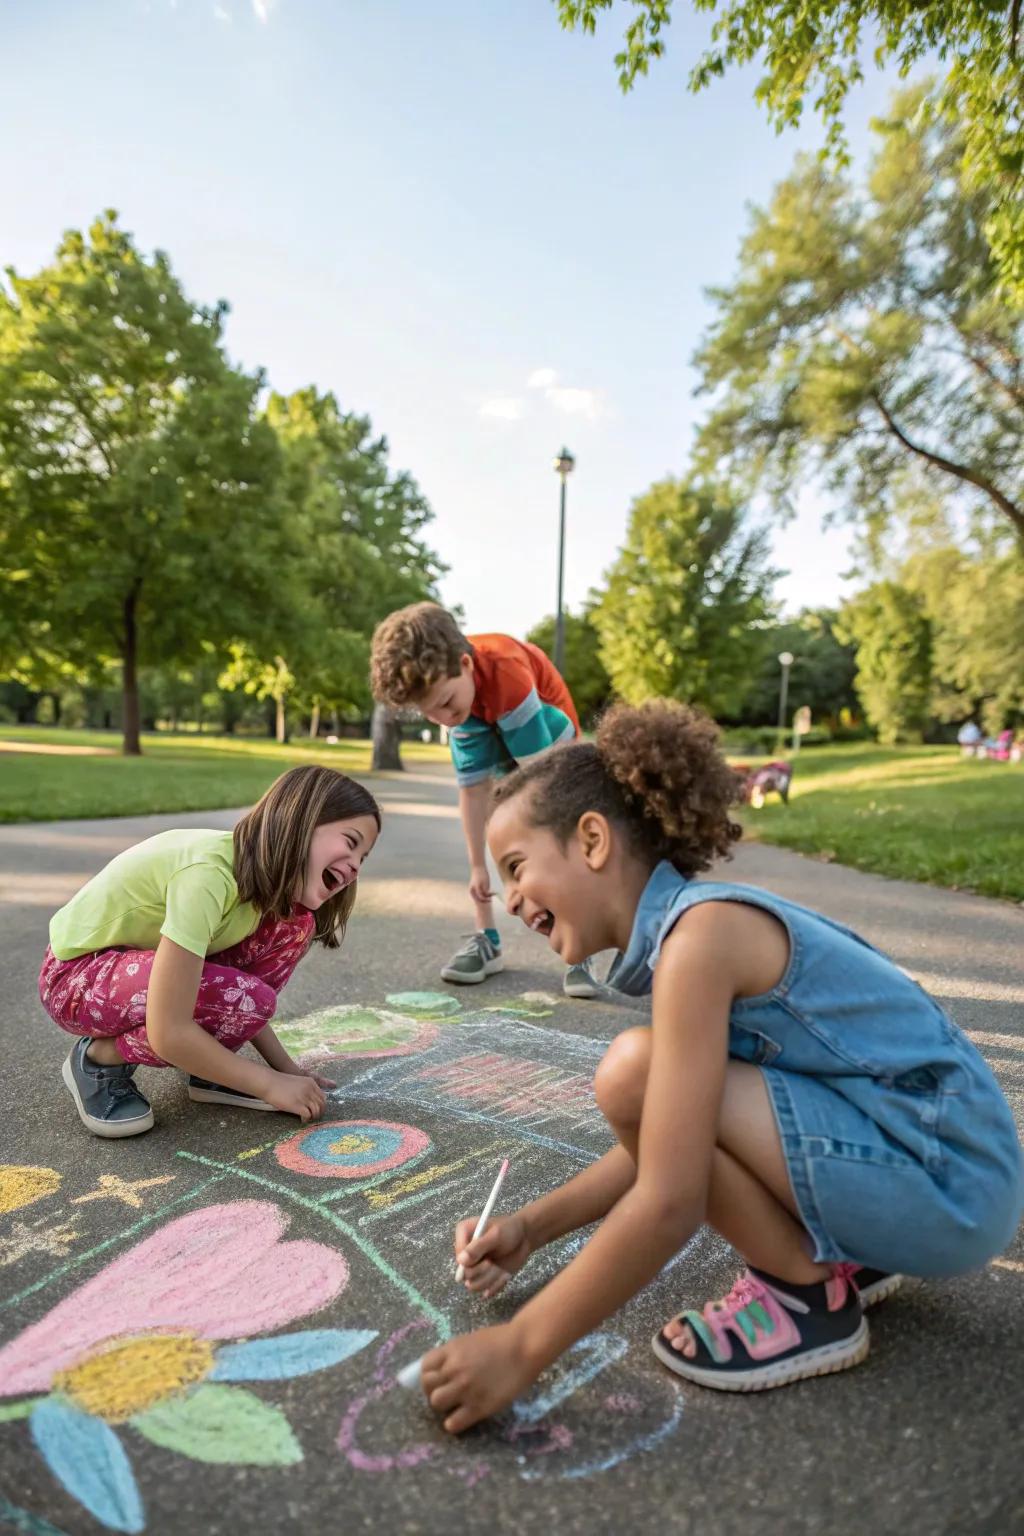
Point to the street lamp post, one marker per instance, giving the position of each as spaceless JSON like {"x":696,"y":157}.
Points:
{"x":564,"y":466}
{"x":785,"y":662}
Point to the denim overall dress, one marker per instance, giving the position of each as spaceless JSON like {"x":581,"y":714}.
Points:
{"x":902,"y":1151}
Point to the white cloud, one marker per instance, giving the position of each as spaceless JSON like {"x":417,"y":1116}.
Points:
{"x":262,"y":9}
{"x":542,"y":378}
{"x":220,"y":14}
{"x":503,"y":408}
{"x":588,"y":403}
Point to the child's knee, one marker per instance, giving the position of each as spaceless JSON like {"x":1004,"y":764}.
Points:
{"x":621,"y":1078}
{"x":235,"y":1027}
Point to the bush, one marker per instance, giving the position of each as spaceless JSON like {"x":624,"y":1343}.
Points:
{"x":757,"y":740}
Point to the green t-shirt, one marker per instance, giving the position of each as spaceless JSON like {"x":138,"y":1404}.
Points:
{"x":178,"y":884}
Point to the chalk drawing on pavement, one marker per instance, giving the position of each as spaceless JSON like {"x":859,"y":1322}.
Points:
{"x":156,"y":1330}
{"x":21,"y":1185}
{"x":351,"y":1149}
{"x":146,"y":1346}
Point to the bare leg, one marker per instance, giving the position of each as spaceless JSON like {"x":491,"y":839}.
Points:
{"x":755,"y":1212}
{"x":484,"y":911}
{"x":104,"y":1053}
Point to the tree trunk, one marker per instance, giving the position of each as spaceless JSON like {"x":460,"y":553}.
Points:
{"x":314,"y":721}
{"x":386,"y":739}
{"x":280,"y":727}
{"x":56,"y":708}
{"x":131,"y":746}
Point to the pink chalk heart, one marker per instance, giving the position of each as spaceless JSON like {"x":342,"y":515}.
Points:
{"x":218,"y":1273}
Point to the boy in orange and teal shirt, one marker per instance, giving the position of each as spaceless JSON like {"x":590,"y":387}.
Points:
{"x":502,"y":702}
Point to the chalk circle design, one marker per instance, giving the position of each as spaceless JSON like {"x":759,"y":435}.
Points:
{"x":351,"y":1030}
{"x":351,"y":1149}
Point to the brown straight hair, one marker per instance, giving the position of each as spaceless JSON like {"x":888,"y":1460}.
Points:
{"x":272,"y":844}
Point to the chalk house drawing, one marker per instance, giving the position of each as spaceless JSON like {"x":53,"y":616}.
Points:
{"x":142,"y":1346}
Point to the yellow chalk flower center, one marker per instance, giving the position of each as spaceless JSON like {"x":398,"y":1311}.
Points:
{"x":352,"y":1142}
{"x":133,"y":1374}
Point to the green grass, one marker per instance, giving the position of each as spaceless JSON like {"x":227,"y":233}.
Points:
{"x":175,"y":773}
{"x":917,"y":813}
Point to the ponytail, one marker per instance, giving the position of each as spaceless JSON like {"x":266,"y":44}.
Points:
{"x":655,"y":770}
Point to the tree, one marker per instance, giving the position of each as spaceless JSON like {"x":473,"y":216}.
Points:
{"x":975,"y":607}
{"x":585,"y":672}
{"x":863,"y":340}
{"x":359,"y":527}
{"x":811,"y":50}
{"x":138,"y":483}
{"x":887,"y":624}
{"x":682,"y":599}
{"x":821,"y":676}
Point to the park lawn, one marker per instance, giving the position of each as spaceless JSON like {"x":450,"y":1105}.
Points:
{"x":916,"y":813}
{"x":175,"y":773}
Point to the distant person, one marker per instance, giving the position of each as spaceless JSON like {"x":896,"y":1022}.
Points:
{"x":969,"y":738}
{"x":797,"y":1091}
{"x":175,"y":953}
{"x":503,"y":703}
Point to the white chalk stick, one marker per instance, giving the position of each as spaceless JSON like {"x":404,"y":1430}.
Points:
{"x":409,"y":1375}
{"x":485,"y":1215}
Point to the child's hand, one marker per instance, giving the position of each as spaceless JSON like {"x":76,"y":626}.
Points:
{"x":326,"y":1083}
{"x":300,"y":1096}
{"x":480,"y":883}
{"x":495,"y":1255}
{"x":475,"y":1375}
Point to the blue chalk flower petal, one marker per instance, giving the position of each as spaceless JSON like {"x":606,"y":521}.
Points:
{"x":89,"y":1461}
{"x":292,"y":1354}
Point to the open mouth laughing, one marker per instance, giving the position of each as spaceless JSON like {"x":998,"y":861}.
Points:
{"x":336,"y":879}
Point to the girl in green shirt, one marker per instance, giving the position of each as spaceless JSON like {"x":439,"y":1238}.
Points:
{"x":174,"y":954}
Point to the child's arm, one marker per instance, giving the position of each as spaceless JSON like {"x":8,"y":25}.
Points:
{"x":476,"y":1375}
{"x":175,"y":1035}
{"x":275,"y":1056}
{"x":473,"y":800}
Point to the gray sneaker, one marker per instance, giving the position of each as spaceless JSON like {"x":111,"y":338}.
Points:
{"x":578,"y":982}
{"x":108,"y":1102}
{"x":477,"y":959}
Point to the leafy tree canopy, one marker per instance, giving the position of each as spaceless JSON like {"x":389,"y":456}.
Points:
{"x":683,"y":600}
{"x":864,"y":341}
{"x":811,"y":51}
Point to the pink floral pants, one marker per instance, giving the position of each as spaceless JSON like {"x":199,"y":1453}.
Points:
{"x":104,"y":993}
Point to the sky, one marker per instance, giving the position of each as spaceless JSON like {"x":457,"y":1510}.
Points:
{"x":446,"y":213}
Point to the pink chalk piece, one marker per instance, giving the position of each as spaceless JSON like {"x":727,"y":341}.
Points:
{"x":222,"y":1272}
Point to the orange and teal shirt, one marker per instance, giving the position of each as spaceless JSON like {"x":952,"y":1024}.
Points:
{"x":522,"y":707}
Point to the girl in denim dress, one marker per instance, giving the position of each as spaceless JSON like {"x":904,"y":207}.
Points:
{"x":796,"y":1090}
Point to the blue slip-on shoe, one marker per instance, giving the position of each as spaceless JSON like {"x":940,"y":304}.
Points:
{"x":107,"y":1100}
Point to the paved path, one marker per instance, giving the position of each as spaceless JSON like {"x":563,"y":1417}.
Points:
{"x":922,"y":1439}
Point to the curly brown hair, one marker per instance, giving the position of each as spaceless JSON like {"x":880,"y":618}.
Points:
{"x":655,"y":770}
{"x":414,"y":648}
{"x":271,"y":843}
